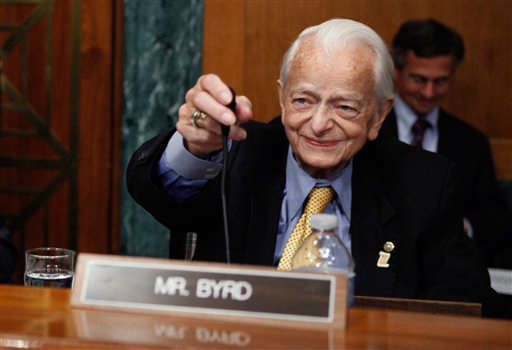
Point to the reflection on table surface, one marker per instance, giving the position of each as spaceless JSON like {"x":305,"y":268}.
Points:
{"x":42,"y":318}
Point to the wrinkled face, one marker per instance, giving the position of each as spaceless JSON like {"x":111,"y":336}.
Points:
{"x":328,"y":106}
{"x":423,"y":82}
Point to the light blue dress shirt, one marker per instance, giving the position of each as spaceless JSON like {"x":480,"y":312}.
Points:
{"x":182,"y":175}
{"x":298,"y":185}
{"x":406,"y":117}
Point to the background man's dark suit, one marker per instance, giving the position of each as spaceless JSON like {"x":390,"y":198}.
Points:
{"x":8,"y":253}
{"x":393,"y":201}
{"x":484,"y":205}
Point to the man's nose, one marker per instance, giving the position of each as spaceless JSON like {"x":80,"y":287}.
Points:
{"x":321,"y":120}
{"x":428,"y":90}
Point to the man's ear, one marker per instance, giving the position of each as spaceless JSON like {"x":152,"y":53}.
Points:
{"x":452,"y":77}
{"x":280,"y":92}
{"x":398,"y":73}
{"x":379,"y":119}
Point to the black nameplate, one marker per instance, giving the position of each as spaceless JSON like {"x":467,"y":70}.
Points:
{"x":141,"y":283}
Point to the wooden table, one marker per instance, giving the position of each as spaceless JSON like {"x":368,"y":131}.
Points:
{"x":41,"y":318}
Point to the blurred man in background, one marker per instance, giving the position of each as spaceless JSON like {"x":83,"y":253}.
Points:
{"x":426,"y":55}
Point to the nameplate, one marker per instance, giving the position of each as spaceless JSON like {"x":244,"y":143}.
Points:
{"x":158,"y":285}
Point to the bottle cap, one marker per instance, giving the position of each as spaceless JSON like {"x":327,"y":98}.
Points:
{"x":324,"y":222}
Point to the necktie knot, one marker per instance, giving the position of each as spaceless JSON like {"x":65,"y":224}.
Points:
{"x":418,"y":131}
{"x":318,"y":198}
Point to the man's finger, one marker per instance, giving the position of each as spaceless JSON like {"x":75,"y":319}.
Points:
{"x":219,"y":112}
{"x":212,"y":84}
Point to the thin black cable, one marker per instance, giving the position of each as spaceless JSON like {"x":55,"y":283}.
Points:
{"x":225,"y":133}
{"x":223,"y":195}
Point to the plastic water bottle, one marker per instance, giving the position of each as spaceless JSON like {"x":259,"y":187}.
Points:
{"x":324,"y":252}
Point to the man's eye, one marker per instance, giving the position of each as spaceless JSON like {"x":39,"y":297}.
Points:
{"x":441,"y":81}
{"x":347,"y":111}
{"x":418,"y":80}
{"x":300,"y":101}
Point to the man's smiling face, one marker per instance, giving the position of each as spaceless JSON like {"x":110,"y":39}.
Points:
{"x":423,"y":82}
{"x":329,"y":106}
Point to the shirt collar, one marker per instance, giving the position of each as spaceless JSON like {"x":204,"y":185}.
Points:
{"x":407,"y":117}
{"x":299,"y":184}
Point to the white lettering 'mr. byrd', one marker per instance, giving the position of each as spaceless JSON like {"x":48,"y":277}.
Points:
{"x":206,"y":288}
{"x":171,"y":286}
{"x":236,"y":290}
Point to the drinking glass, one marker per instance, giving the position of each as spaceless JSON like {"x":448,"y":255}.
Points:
{"x":49,"y":267}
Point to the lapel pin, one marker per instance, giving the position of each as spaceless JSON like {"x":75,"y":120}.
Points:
{"x":385,"y":255}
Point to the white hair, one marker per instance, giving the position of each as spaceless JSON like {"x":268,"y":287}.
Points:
{"x":339,"y":33}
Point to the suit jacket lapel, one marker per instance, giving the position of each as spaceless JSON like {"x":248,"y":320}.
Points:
{"x":266,"y":208}
{"x":447,"y":145}
{"x":389,"y":128}
{"x":371,"y":227}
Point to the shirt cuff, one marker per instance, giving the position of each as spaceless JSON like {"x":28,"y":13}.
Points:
{"x":468,"y":228}
{"x":184,"y":163}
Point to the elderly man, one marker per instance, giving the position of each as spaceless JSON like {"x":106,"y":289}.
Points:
{"x":426,"y":55}
{"x":335,"y":89}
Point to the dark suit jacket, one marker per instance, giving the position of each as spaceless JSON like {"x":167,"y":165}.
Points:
{"x":393,"y":201}
{"x":484,"y":205}
{"x":8,"y":253}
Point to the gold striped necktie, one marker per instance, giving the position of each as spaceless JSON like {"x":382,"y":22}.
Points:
{"x":317,"y":201}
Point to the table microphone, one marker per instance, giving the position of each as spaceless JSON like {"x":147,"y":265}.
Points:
{"x":225,"y":133}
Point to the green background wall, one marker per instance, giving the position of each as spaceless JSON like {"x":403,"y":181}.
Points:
{"x":162,"y":60}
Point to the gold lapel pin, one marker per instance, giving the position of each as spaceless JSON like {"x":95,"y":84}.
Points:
{"x":385,"y":255}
